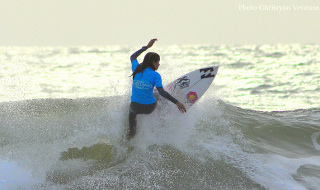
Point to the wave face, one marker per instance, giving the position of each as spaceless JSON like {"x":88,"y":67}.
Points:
{"x":77,"y":144}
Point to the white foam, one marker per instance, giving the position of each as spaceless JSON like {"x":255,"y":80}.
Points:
{"x":278,"y":171}
{"x":269,"y":170}
{"x":165,"y":126}
{"x":13,"y":176}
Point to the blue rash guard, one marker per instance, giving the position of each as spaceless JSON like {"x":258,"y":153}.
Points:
{"x":143,"y":84}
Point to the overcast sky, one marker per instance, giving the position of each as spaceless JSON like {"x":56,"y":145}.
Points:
{"x":130,"y":22}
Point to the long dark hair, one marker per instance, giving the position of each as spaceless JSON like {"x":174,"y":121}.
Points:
{"x":148,"y":60}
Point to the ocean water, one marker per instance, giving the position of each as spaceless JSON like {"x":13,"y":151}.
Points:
{"x":64,"y":110}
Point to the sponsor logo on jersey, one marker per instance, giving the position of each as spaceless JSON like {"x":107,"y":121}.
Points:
{"x":142,"y":84}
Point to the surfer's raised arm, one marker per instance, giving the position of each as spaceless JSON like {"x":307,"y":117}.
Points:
{"x":136,"y":54}
{"x":151,"y":42}
{"x":144,"y":48}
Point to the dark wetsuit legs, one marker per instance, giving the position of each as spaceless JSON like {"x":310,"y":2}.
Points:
{"x":132,"y":124}
{"x":135,"y":109}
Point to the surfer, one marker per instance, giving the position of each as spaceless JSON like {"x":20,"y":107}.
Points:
{"x":145,"y":78}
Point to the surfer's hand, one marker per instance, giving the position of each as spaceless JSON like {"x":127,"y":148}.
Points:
{"x":181,"y":107}
{"x":150,"y":44}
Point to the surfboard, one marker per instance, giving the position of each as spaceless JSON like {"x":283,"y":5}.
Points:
{"x":189,"y":88}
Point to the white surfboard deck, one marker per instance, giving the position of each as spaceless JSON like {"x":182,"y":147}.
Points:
{"x":189,"y":88}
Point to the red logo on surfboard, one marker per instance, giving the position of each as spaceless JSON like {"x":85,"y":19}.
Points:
{"x":192,"y":97}
{"x":170,"y":87}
